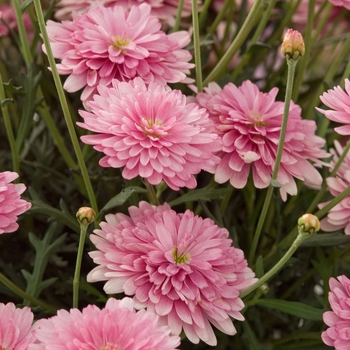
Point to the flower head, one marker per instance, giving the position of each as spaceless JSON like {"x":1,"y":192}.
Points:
{"x":16,"y":330}
{"x":179,"y":266}
{"x":338,"y":320}
{"x":165,"y":10}
{"x":11,"y":204}
{"x":249,"y":122}
{"x":339,"y":101}
{"x":152,"y":132}
{"x":8,"y":20}
{"x":339,"y":216}
{"x":115,"y":327}
{"x":110,"y":43}
{"x":293,"y":46}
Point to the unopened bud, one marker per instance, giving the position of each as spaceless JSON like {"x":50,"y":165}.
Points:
{"x":309,"y":224}
{"x":293,"y":46}
{"x":85,"y":215}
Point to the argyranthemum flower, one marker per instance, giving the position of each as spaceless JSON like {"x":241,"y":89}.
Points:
{"x":11,"y":204}
{"x":249,"y":122}
{"x":110,"y":43}
{"x":117,"y":326}
{"x":180,"y":266}
{"x":165,"y":10}
{"x":338,"y":320}
{"x":16,"y":331}
{"x":151,"y":132}
{"x":339,"y":101}
{"x":339,"y":216}
{"x":343,"y":3}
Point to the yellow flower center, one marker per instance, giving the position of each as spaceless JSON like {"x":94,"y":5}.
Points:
{"x":153,"y":129}
{"x":109,"y":346}
{"x":120,"y":43}
{"x":256,"y":119}
{"x":180,"y":259}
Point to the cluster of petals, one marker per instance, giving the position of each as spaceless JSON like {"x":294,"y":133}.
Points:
{"x":339,"y":101}
{"x":165,"y":10}
{"x":341,"y":3}
{"x":338,"y":217}
{"x":249,"y":122}
{"x":11,"y":204}
{"x":110,"y":43}
{"x":16,"y":330}
{"x":179,"y":266}
{"x":152,"y":132}
{"x":338,"y":320}
{"x":117,"y":326}
{"x":8,"y":20}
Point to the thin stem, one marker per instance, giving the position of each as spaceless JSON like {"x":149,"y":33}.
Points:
{"x":197,"y":49}
{"x":10,"y":285}
{"x":204,"y":12}
{"x":289,"y":88}
{"x":178,"y":16}
{"x":151,"y":193}
{"x":301,"y":237}
{"x":65,"y":106}
{"x":237,"y":42}
{"x":76,"y":280}
{"x":8,"y":127}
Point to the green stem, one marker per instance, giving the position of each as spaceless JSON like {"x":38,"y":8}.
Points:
{"x":8,"y":127}
{"x":237,"y":42}
{"x":197,"y":49}
{"x":204,"y":12}
{"x":178,"y":16}
{"x":10,"y":285}
{"x":301,"y":237}
{"x":151,"y":193}
{"x":76,"y":280}
{"x":289,"y":88}
{"x":65,"y":106}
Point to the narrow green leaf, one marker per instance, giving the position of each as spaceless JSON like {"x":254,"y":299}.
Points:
{"x":326,"y":239}
{"x":293,"y":308}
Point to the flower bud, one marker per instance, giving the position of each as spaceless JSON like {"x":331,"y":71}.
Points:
{"x":293,"y":46}
{"x":85,"y":215}
{"x":308,"y":224}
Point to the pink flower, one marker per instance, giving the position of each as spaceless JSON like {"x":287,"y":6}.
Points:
{"x":338,"y":320}
{"x":16,"y":331}
{"x":109,"y":43}
{"x":179,"y":266}
{"x":339,"y":102}
{"x":117,"y":326}
{"x":11,"y":204}
{"x":165,"y":10}
{"x":249,"y":122}
{"x":343,"y":3}
{"x":7,"y":15}
{"x":293,"y":46}
{"x":152,"y":132}
{"x":339,"y":216}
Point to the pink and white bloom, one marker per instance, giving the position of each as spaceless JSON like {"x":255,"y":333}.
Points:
{"x":165,"y":10}
{"x":117,"y":326}
{"x":11,"y":204}
{"x":152,"y":132}
{"x":338,"y":320}
{"x":110,"y":43}
{"x":339,"y":101}
{"x":343,"y":3}
{"x":16,"y":330}
{"x":249,"y":122}
{"x":338,"y":217}
{"x":179,"y":266}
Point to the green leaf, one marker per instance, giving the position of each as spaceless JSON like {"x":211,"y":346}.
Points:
{"x":326,"y":239}
{"x":204,"y":194}
{"x":293,"y":308}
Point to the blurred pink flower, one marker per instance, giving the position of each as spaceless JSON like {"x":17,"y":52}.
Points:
{"x":180,"y":266}
{"x":339,"y":101}
{"x":343,"y":3}
{"x":11,"y":204}
{"x":16,"y":330}
{"x":165,"y":10}
{"x":152,"y":132}
{"x":249,"y":122}
{"x":117,"y":326}
{"x":109,"y":43}
{"x":339,"y":216}
{"x":338,"y":320}
{"x":8,"y":20}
